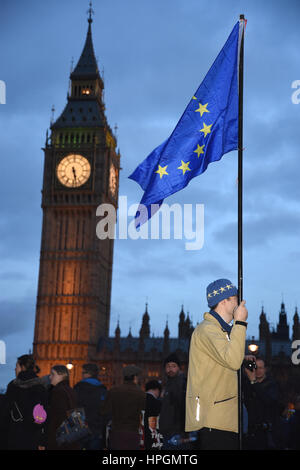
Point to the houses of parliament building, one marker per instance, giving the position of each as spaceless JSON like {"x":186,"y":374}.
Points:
{"x":81,"y":171}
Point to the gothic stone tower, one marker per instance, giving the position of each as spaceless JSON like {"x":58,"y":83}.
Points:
{"x":81,"y":171}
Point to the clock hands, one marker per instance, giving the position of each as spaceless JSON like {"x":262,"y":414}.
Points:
{"x":74,"y":173}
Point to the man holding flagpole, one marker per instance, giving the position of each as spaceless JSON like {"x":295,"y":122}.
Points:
{"x":217,"y":350}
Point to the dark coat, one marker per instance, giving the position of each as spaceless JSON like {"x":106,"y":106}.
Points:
{"x":294,"y":431}
{"x":263,"y":407}
{"x":62,"y":400}
{"x":172,"y":413}
{"x":90,"y":395}
{"x":22,"y":395}
{"x":262,"y":402}
{"x":124,"y":404}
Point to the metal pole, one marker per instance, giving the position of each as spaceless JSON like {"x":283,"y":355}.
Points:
{"x":240,"y":212}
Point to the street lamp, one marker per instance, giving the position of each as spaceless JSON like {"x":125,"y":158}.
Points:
{"x":253,"y":347}
{"x":69,"y":366}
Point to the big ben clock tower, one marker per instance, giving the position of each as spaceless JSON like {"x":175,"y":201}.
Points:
{"x":81,"y":171}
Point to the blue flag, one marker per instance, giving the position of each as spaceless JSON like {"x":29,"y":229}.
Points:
{"x":206,"y":131}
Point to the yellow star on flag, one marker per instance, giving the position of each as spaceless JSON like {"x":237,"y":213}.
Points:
{"x":199,"y":150}
{"x":206,"y":129}
{"x":184,"y":167}
{"x":202,"y":109}
{"x":162,"y":171}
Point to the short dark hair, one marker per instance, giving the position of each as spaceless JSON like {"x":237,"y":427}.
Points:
{"x":61,"y":370}
{"x":153,"y":385}
{"x":214,"y":307}
{"x":27,"y":361}
{"x":91,"y":369}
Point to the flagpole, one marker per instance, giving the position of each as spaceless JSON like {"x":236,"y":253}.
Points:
{"x":240,"y":212}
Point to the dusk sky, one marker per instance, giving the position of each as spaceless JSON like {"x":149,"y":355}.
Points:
{"x":153,"y":56}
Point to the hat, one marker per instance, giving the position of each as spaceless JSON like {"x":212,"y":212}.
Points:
{"x":219,"y":290}
{"x":172,"y":358}
{"x":129,"y":371}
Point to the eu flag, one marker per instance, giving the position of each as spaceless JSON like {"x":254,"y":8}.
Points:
{"x":206,"y":131}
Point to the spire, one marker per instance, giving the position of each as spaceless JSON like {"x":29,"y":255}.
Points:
{"x":166,"y":331}
{"x":282,"y":326}
{"x":117,"y":338}
{"x":264,"y":328}
{"x":182,"y":315}
{"x":145,"y":328}
{"x":87,"y":66}
{"x":90,"y":12}
{"x":182,"y":324}
{"x":85,"y":106}
{"x":166,"y":343}
{"x":118,"y":330}
{"x":296,"y":326}
{"x":263,"y":317}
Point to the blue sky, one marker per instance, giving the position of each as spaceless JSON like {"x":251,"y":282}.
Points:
{"x":153,"y":56}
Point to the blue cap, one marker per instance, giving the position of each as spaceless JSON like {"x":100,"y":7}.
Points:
{"x":219,"y":290}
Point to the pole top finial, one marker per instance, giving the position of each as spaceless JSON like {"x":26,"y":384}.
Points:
{"x":90,"y":12}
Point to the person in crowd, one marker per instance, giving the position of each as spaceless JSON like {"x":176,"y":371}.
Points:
{"x":217,"y":351}
{"x":62,"y":400}
{"x":262,"y":399}
{"x":25,"y":408}
{"x":293,"y":441}
{"x":151,"y":417}
{"x":90,"y":394}
{"x":172,"y":413}
{"x":124,"y":404}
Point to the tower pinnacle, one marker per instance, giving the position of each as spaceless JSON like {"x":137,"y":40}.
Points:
{"x":90,"y":12}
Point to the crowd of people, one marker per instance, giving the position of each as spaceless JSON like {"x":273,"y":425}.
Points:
{"x":194,"y":411}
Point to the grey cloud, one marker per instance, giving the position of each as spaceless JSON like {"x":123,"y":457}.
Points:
{"x":16,"y":316}
{"x":262,"y":230}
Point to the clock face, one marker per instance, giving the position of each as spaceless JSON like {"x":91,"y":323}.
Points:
{"x":73,"y":170}
{"x":113,"y":179}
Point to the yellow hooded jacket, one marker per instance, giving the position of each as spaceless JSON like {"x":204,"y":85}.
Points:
{"x":212,"y":385}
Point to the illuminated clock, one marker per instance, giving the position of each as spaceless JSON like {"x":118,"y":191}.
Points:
{"x":73,"y":170}
{"x":113,"y":179}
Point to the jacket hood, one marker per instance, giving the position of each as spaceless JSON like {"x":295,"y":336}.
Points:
{"x":26,"y":379}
